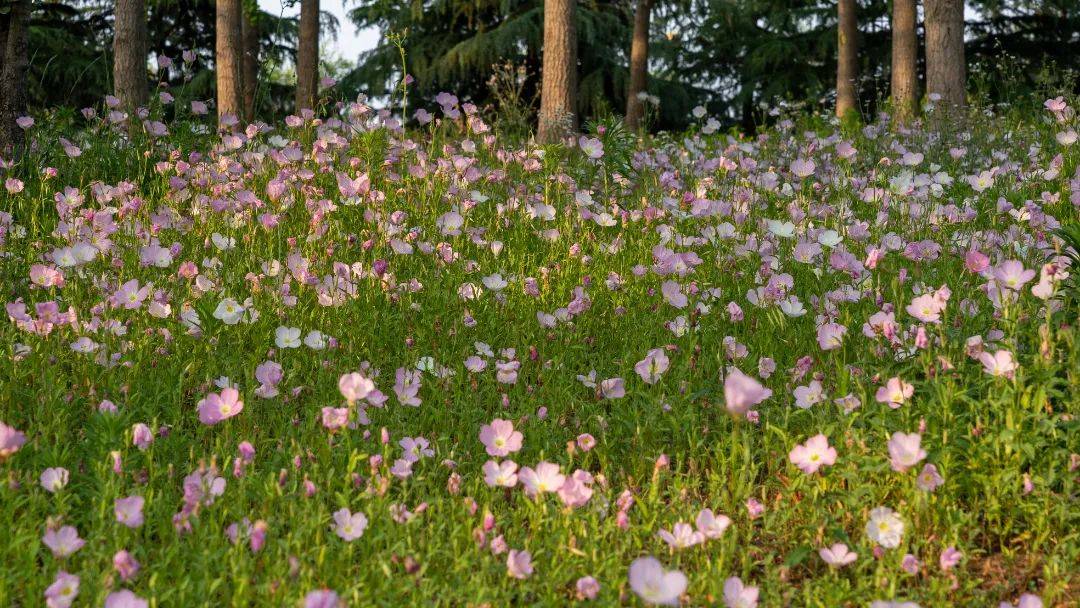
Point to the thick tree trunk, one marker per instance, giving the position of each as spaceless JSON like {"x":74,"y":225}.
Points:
{"x":227,"y":58}
{"x":945,"y":51}
{"x":905,"y":61}
{"x":847,"y":58}
{"x":129,"y":54}
{"x":639,"y":65}
{"x":307,"y":55}
{"x":558,"y":95}
{"x":249,"y":33}
{"x":13,"y":63}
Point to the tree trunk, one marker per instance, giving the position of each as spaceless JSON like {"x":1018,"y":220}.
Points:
{"x":13,"y":63}
{"x":945,"y":51}
{"x":558,"y":93}
{"x":227,"y":58}
{"x":639,"y":65}
{"x":847,"y":58}
{"x":249,"y":33}
{"x":905,"y":61}
{"x":307,"y":55}
{"x":129,"y":54}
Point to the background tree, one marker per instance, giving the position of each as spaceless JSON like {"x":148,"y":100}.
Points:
{"x":905,"y":60}
{"x":14,"y":23}
{"x":249,"y":37}
{"x":129,"y":53}
{"x":945,"y":67}
{"x":307,"y":55}
{"x":227,"y":58}
{"x":639,"y":65}
{"x":847,"y":58}
{"x":558,"y":97}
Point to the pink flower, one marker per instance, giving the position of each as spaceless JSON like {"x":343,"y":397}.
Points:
{"x":741,"y":392}
{"x":976,"y":261}
{"x":217,"y":407}
{"x":711,"y":526}
{"x":502,"y":474}
{"x":612,"y":388}
{"x":545,"y":478}
{"x":682,"y":535}
{"x":830,"y":336}
{"x":928,"y":479}
{"x":837,"y":555}
{"x":813,"y":455}
{"x":63,"y":542}
{"x":910,"y":564}
{"x":141,"y":436}
{"x":10,"y":440}
{"x":322,"y":598}
{"x":334,"y":418}
{"x":576,"y":489}
{"x":269,"y":374}
{"x":926,"y":308}
{"x":587,"y":588}
{"x":125,"y":565}
{"x":519,"y":564}
{"x":63,"y":590}
{"x":653,"y":584}
{"x":895,"y":392}
{"x":407,"y":386}
{"x":586,"y":442}
{"x":905,"y":451}
{"x":1012,"y":274}
{"x":1000,"y":363}
{"x":949,"y":558}
{"x":129,"y":511}
{"x":672,"y":292}
{"x":738,"y":595}
{"x":802,"y":167}
{"x":54,"y":479}
{"x":500,"y":438}
{"x":653,"y":366}
{"x":354,"y":387}
{"x":349,"y":526}
{"x":124,"y":599}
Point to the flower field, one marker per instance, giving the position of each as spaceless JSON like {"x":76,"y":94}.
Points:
{"x":334,"y":362}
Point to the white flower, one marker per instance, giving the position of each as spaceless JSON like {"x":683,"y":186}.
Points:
{"x":315,"y":340}
{"x":287,"y":337}
{"x":784,"y":230}
{"x":885,"y":527}
{"x":223,"y":243}
{"x":829,"y":238}
{"x":229,"y":311}
{"x":698,"y":112}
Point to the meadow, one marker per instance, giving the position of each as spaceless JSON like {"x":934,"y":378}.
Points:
{"x":336,"y":362}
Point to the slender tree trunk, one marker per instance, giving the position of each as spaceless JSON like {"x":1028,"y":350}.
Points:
{"x":13,"y":63}
{"x":847,"y":58}
{"x":558,"y":94}
{"x":129,"y":53}
{"x":639,"y":65}
{"x":249,"y":33}
{"x":227,"y":58}
{"x":307,"y":55}
{"x":905,"y":61}
{"x":945,"y":67}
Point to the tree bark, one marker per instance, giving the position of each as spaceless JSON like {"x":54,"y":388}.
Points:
{"x":847,"y":58}
{"x":129,"y":54}
{"x":639,"y":65}
{"x":13,"y":63}
{"x":249,"y":33}
{"x":558,"y":93}
{"x":945,"y":70}
{"x":227,"y":58}
{"x":307,"y":55}
{"x":905,"y":61}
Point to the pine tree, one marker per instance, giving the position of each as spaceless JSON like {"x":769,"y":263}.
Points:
{"x":558,"y":97}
